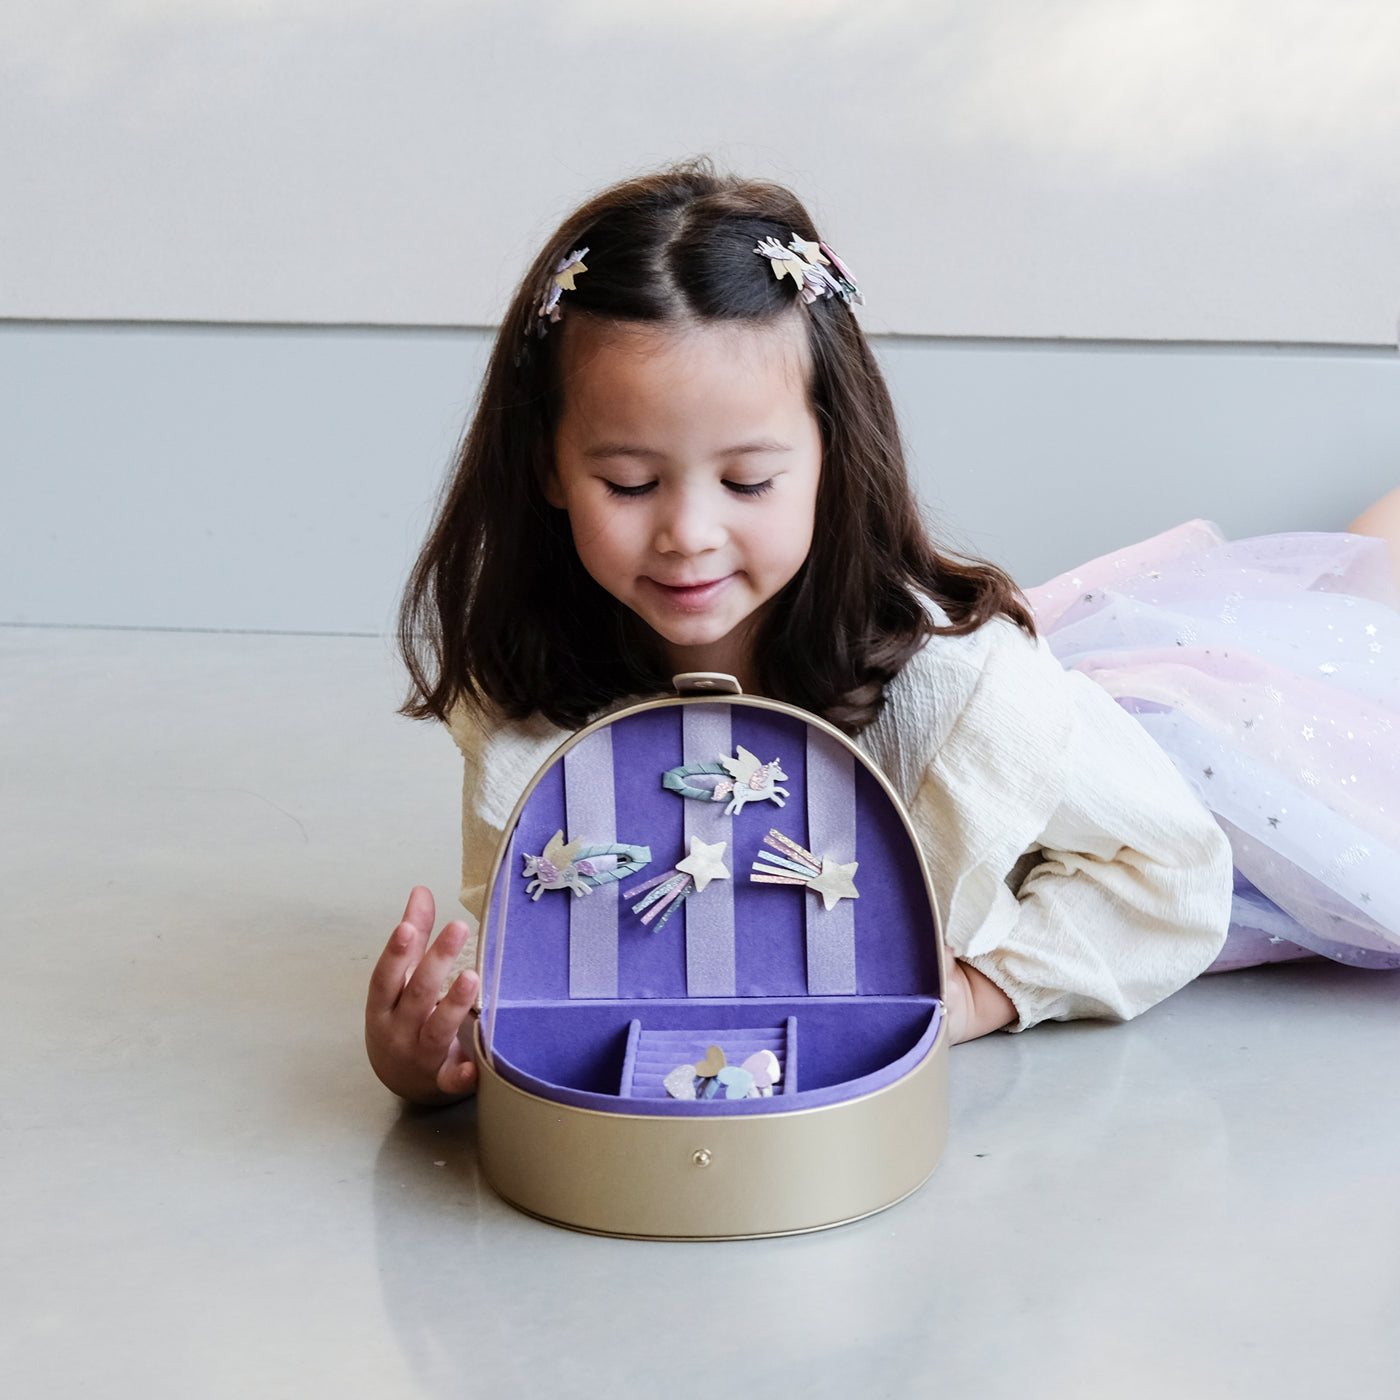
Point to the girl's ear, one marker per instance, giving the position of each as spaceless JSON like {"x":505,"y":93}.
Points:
{"x":552,"y":491}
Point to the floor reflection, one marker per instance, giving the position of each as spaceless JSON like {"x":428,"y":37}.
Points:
{"x":1079,"y":1163}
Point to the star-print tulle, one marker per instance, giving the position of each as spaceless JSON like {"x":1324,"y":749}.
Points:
{"x":1269,"y":670}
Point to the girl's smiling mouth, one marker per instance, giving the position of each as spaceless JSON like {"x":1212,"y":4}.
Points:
{"x":689,"y":597}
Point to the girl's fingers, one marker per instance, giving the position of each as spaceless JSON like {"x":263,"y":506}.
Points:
{"x":425,"y":984}
{"x":440,"y":1029}
{"x":401,"y":954}
{"x":420,"y":911}
{"x":457,"y":1075}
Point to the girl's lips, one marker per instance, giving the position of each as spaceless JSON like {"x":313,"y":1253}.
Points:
{"x":690,"y":597}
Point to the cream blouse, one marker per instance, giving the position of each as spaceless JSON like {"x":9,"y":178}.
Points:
{"x":1071,"y":862}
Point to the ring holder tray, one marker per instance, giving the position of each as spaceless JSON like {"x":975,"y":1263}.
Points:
{"x":683,"y":887}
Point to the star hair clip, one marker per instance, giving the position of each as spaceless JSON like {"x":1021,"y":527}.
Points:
{"x":562,"y":281}
{"x":794,"y":865}
{"x":666,"y":893}
{"x":817,"y":271}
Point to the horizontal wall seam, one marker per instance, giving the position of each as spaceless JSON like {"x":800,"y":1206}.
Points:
{"x":989,"y":342}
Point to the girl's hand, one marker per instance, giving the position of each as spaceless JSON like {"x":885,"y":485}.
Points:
{"x":411,"y":1031}
{"x":976,"y":1005}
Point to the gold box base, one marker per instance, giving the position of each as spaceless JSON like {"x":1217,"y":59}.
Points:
{"x":647,"y":1176}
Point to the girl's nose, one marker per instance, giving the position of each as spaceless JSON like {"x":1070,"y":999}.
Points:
{"x":690,"y":523}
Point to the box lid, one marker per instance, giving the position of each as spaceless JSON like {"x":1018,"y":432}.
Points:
{"x":649,"y":784}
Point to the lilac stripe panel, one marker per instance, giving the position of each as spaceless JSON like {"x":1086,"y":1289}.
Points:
{"x":591,"y":813}
{"x":831,"y":832}
{"x":709,"y":916}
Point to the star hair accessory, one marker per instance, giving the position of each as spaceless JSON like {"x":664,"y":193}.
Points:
{"x":817,"y":271}
{"x":794,"y":865}
{"x":666,"y":893}
{"x":562,"y":281}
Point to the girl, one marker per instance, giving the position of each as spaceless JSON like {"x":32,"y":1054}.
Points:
{"x":685,"y":459}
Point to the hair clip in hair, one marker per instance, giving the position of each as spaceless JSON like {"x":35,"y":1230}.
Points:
{"x":562,"y":281}
{"x":807,"y":263}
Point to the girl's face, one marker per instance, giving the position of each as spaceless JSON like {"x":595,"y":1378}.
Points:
{"x":688,"y":460}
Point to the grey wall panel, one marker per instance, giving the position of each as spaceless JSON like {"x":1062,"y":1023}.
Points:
{"x":1160,"y":169}
{"x":1044,"y":457}
{"x":283,"y":479}
{"x":221,"y":478}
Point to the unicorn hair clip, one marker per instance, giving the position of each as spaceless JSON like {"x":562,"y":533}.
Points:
{"x":817,"y":271}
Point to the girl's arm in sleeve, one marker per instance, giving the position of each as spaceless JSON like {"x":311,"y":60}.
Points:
{"x":1086,"y":877}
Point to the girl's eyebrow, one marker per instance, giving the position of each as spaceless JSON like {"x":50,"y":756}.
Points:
{"x":624,"y":449}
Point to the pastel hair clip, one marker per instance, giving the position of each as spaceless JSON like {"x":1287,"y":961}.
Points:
{"x":795,"y":865}
{"x":565,"y":271}
{"x":733,"y":780}
{"x":666,"y":893}
{"x":579,"y":866}
{"x":817,"y":271}
{"x":705,"y":1079}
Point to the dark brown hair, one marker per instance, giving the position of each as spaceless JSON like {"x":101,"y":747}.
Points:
{"x":499,"y":610}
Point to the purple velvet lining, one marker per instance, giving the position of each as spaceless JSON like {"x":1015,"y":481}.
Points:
{"x":850,"y":1046}
{"x":572,"y":1050}
{"x":831,"y":827}
{"x":590,"y":814}
{"x":709,"y":916}
{"x":895,"y":944}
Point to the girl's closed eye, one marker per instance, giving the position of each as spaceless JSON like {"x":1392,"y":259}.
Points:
{"x":618,"y":489}
{"x":750,"y":488}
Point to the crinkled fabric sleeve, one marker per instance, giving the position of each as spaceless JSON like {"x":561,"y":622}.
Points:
{"x":1074,"y":866}
{"x":498,"y":761}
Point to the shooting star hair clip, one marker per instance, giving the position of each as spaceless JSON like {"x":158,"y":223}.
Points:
{"x":562,"y":281}
{"x":796,"y":866}
{"x":581,"y":867}
{"x":666,"y":893}
{"x":817,"y":271}
{"x":735,"y":780}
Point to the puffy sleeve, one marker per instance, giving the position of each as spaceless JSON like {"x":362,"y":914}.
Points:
{"x":1073,"y":864}
{"x":498,"y":760}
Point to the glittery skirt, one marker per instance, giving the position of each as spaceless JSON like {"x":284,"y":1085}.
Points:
{"x":1269,"y":671}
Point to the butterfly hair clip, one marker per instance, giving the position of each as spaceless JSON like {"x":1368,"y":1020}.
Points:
{"x":735,"y":780}
{"x":787,"y":863}
{"x":581,"y":867}
{"x":666,"y":893}
{"x":708,"y":1078}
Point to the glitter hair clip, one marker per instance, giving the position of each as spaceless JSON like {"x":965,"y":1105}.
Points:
{"x":817,"y":271}
{"x":562,"y":281}
{"x":666,"y":893}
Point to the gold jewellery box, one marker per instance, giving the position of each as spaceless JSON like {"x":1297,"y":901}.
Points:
{"x":712,"y":979}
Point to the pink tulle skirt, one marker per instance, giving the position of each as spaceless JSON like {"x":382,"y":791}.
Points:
{"x":1269,"y":670}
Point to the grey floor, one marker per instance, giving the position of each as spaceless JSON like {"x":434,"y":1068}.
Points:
{"x":206,"y":1193}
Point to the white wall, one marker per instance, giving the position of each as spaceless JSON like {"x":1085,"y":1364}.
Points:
{"x":1139,"y":169}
